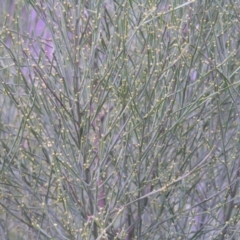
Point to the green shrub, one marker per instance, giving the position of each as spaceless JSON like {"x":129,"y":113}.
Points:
{"x":119,"y":119}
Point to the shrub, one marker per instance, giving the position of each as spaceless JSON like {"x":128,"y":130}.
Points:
{"x":119,"y":119}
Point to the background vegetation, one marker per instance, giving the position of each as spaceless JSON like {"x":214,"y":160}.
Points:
{"x":119,"y":119}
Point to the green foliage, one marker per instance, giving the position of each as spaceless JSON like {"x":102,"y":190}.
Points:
{"x":119,"y":119}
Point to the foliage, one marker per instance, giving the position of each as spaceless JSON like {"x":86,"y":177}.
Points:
{"x":119,"y":119}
